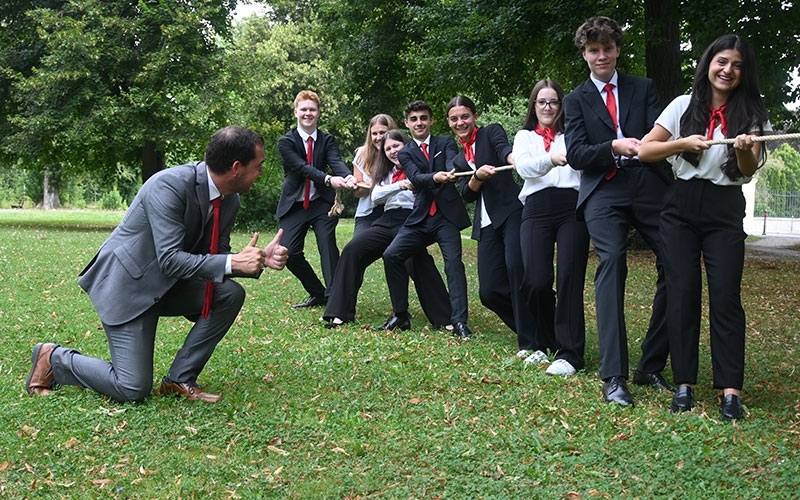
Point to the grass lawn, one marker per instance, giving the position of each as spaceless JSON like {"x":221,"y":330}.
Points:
{"x":353,"y":414}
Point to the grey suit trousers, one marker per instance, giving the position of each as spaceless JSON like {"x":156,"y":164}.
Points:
{"x":129,"y":375}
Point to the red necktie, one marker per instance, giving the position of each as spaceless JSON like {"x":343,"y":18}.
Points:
{"x":717,"y":115}
{"x":213,"y":249}
{"x":398,"y":174}
{"x":309,"y":160}
{"x":611,"y":106}
{"x":432,"y":210}
{"x":548,"y":135}
{"x":469,"y":150}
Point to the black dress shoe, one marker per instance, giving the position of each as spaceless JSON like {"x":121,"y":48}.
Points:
{"x":730,"y":407}
{"x":401,"y":321}
{"x":654,"y":379}
{"x":683,"y":400}
{"x":311,"y":301}
{"x":461,"y":330}
{"x":615,"y":390}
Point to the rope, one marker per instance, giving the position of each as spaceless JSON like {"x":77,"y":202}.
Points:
{"x":470,"y":172}
{"x":758,"y":138}
{"x":338,"y":207}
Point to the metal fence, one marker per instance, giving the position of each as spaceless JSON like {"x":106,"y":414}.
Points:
{"x":776,"y":204}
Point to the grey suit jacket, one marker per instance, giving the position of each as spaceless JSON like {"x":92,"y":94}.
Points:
{"x":164,"y":237}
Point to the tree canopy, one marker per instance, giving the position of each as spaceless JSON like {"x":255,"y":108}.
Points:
{"x":91,"y":84}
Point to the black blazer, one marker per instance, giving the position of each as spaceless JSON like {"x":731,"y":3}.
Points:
{"x":442,"y":151}
{"x":501,"y":192}
{"x":296,"y":170}
{"x":589,"y":130}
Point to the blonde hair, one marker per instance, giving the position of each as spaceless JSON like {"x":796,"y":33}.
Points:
{"x":368,"y":154}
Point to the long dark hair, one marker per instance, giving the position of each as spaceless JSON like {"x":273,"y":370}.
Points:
{"x":530,"y":119}
{"x":744,"y":109}
{"x":384,"y":165}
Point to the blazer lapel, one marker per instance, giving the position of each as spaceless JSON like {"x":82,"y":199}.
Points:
{"x":596,"y":103}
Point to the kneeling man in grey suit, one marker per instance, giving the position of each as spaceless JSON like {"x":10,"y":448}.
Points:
{"x":162,"y":260}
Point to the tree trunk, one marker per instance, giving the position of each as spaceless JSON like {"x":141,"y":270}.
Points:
{"x":50,"y":197}
{"x":662,"y":48}
{"x":152,"y":160}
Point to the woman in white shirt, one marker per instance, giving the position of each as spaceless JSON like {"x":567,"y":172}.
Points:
{"x":364,"y":161}
{"x":550,"y":195}
{"x":703,"y":212}
{"x":395,"y":194}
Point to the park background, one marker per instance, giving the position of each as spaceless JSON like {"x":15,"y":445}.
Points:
{"x":97,"y":95}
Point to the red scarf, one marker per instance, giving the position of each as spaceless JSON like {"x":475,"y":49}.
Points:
{"x":717,"y":115}
{"x":548,"y":134}
{"x":469,"y":151}
{"x":398,"y":174}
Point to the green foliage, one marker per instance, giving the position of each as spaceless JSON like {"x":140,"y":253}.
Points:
{"x":112,"y":201}
{"x":351,"y":413}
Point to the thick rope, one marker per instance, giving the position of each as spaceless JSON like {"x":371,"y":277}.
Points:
{"x":338,"y":207}
{"x":758,"y":138}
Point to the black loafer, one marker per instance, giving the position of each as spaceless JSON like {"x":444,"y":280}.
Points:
{"x":730,"y":407}
{"x":311,"y":301}
{"x":655,"y":380}
{"x":615,"y":390}
{"x":401,"y":321}
{"x":683,"y":400}
{"x":462,"y":331}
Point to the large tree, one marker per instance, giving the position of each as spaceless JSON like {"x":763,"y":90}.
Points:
{"x":114,"y":81}
{"x":435,"y":49}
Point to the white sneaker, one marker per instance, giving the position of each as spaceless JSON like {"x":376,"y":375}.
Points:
{"x":561,"y":367}
{"x":523,"y":353}
{"x":536,"y":358}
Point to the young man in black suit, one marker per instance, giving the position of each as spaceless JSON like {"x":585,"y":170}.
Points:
{"x":438,"y":216}
{"x":307,"y":195}
{"x":605,"y":119}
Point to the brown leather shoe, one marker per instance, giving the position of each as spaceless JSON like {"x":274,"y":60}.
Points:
{"x":41,"y":379}
{"x":189,"y":390}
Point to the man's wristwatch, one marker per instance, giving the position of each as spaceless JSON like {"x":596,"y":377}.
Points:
{"x":328,"y":180}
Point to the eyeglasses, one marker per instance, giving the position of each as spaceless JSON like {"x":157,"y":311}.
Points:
{"x":555,"y":103}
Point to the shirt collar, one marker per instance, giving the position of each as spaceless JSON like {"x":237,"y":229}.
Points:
{"x":305,"y":136}
{"x":213,"y":192}
{"x":426,"y":141}
{"x":600,"y":84}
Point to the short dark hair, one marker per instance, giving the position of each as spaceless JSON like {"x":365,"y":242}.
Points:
{"x":229,"y":145}
{"x":599,"y":29}
{"x":417,"y":106}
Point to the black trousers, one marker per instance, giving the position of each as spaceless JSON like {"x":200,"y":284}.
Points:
{"x":634,"y":197}
{"x":296,"y":224}
{"x":500,"y":274}
{"x":549,"y":221}
{"x":409,"y":241}
{"x":702,"y":219}
{"x":365,"y":248}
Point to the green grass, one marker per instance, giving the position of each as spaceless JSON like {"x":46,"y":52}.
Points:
{"x":351,"y":413}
